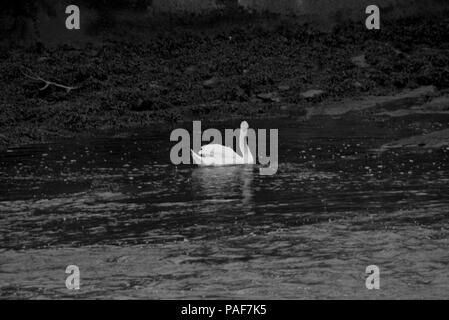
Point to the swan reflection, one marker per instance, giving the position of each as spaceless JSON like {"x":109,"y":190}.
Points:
{"x":221,"y":184}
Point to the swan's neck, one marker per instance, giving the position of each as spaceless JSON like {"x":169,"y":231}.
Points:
{"x":246,"y":152}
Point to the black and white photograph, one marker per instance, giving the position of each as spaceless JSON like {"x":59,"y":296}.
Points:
{"x":224,"y":150}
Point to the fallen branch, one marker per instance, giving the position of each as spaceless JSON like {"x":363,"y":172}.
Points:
{"x":33,"y":76}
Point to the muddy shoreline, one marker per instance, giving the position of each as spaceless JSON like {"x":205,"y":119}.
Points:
{"x":130,"y":75}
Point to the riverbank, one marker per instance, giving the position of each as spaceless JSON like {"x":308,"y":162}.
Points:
{"x":131,"y":74}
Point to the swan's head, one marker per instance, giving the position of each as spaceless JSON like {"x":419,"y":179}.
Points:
{"x":244,"y":127}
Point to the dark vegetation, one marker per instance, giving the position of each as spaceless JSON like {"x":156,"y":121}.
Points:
{"x":133,"y":73}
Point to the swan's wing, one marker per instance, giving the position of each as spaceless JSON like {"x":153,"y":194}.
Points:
{"x":201,"y":161}
{"x":210,"y":149}
{"x":217,"y":151}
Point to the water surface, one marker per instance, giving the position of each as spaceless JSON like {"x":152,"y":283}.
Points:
{"x":140,"y":227}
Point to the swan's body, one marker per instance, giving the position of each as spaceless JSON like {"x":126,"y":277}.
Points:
{"x":219,"y":155}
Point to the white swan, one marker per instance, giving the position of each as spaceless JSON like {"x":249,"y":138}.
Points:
{"x":218,"y":155}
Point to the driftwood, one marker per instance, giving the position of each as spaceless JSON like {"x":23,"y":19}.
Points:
{"x":31,"y":75}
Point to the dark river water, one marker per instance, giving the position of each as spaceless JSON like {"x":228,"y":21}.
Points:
{"x":139,"y":227}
